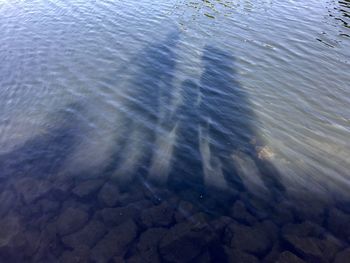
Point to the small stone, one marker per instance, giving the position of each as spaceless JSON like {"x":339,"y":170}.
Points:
{"x":115,"y":242}
{"x":253,"y":239}
{"x":185,"y":210}
{"x":71,"y":220}
{"x":88,"y":236}
{"x":186,"y":241}
{"x":116,"y":216}
{"x":109,"y":195}
{"x":87,"y":188}
{"x":282,"y":214}
{"x":220,"y":224}
{"x":7,"y":201}
{"x":79,"y":255}
{"x":240,"y":213}
{"x":148,"y":244}
{"x":339,"y":223}
{"x":303,"y":229}
{"x":343,"y":256}
{"x":160,"y":215}
{"x":308,"y":247}
{"x":48,"y":206}
{"x":289,"y":257}
{"x":235,"y":255}
{"x":9,"y":227}
{"x":31,"y":189}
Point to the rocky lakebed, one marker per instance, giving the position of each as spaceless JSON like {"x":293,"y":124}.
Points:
{"x":94,"y":221}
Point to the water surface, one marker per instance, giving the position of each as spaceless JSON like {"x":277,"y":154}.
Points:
{"x":230,"y":115}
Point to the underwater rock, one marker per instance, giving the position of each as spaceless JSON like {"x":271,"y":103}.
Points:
{"x":303,"y":229}
{"x":289,"y":257}
{"x":184,"y":210}
{"x":118,"y":215}
{"x":254,"y":239}
{"x":160,"y":215}
{"x":308,"y":247}
{"x":282,"y":214}
{"x":235,"y":255}
{"x":80,"y":254}
{"x":240,"y":213}
{"x":88,"y":236}
{"x":9,"y":227}
{"x":49,"y":206}
{"x":115,"y":242}
{"x":87,"y":188}
{"x":148,"y":244}
{"x":7,"y":201}
{"x":343,"y":256}
{"x":71,"y":220}
{"x":338,"y":223}
{"x":109,"y":195}
{"x":187,"y":240}
{"x":31,"y":189}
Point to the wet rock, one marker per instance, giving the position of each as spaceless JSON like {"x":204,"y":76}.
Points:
{"x":160,"y":215}
{"x":9,"y":227}
{"x":308,"y":247}
{"x":31,"y":189}
{"x":148,"y":244}
{"x":185,"y":210}
{"x":240,"y":213}
{"x":49,"y":206}
{"x":71,"y":220}
{"x":61,"y":189}
{"x":343,"y":256}
{"x":24,"y":244}
{"x":109,"y":195}
{"x":116,"y":216}
{"x":307,"y":210}
{"x":282,"y":214}
{"x":88,"y":236}
{"x":70,"y":203}
{"x":235,"y":255}
{"x":186,"y":241}
{"x":220,"y":224}
{"x":303,"y":229}
{"x":115,"y":242}
{"x":273,"y":254}
{"x":87,"y":188}
{"x":205,"y":257}
{"x":7,"y":201}
{"x":338,"y":223}
{"x":80,"y":254}
{"x":254,"y":240}
{"x":289,"y":257}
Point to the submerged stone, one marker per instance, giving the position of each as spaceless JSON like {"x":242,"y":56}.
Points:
{"x":289,"y":257}
{"x":88,"y":236}
{"x":109,"y":195}
{"x":115,"y":242}
{"x":160,"y":215}
{"x":87,"y":188}
{"x":31,"y":189}
{"x":71,"y":220}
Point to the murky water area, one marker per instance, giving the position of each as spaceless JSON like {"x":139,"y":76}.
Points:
{"x":174,"y":131}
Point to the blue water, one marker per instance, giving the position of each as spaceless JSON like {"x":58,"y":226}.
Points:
{"x":212,"y":103}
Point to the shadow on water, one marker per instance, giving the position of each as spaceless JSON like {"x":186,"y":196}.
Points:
{"x":45,"y":154}
{"x":186,"y":181}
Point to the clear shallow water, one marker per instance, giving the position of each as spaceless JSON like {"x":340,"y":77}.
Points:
{"x":216,"y":104}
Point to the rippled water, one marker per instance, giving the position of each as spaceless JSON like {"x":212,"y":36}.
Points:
{"x":218,"y":104}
